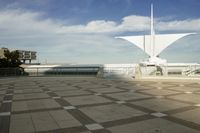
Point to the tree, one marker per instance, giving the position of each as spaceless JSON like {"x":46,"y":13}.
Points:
{"x":11,"y":59}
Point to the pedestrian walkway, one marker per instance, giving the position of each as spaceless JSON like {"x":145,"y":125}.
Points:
{"x":94,"y":105}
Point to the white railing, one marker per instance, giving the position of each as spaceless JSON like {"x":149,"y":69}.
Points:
{"x":171,"y":70}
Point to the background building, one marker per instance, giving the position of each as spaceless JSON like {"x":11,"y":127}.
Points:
{"x":26,"y":55}
{"x":23,"y":55}
{"x":2,"y":51}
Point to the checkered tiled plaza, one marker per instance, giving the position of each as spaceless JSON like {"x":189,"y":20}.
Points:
{"x":94,"y":105}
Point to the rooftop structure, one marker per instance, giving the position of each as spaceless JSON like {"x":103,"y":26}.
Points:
{"x":154,"y":44}
{"x":27,"y":55}
{"x":23,"y":54}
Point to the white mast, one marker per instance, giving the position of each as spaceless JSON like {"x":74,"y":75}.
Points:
{"x":152,"y":43}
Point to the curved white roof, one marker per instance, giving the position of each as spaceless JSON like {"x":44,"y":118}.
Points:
{"x":161,"y":42}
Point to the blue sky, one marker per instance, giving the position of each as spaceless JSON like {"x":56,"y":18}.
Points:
{"x":83,"y":31}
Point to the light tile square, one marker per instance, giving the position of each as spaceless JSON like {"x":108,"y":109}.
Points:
{"x":159,"y":96}
{"x":197,"y":105}
{"x":132,"y":91}
{"x":157,"y":125}
{"x":106,"y":90}
{"x":160,"y":104}
{"x":193,"y":98}
{"x":94,"y":126}
{"x":156,"y":92}
{"x":110,"y":112}
{"x":188,"y":92}
{"x":120,"y":102}
{"x":86,"y":100}
{"x":64,"y":119}
{"x":189,"y":115}
{"x":43,"y":121}
{"x":159,"y":88}
{"x":185,"y":88}
{"x":21,"y":123}
{"x":56,"y":97}
{"x":97,"y":94}
{"x":69,"y":107}
{"x":72,"y":93}
{"x":127,"y":96}
{"x":158,"y":114}
{"x":138,"y":84}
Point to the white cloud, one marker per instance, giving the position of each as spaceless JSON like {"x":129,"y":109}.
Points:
{"x":97,"y":26}
{"x":180,"y":25}
{"x":27,"y":30}
{"x":19,"y":22}
{"x":129,"y":23}
{"x":132,"y":23}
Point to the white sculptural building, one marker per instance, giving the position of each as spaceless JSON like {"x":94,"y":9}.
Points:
{"x":154,"y":44}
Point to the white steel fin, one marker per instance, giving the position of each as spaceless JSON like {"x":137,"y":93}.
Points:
{"x":162,"y":41}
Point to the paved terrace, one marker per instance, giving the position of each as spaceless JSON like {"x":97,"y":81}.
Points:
{"x":91,"y":105}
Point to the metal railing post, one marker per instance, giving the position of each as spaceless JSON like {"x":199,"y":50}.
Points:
{"x":37,"y":71}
